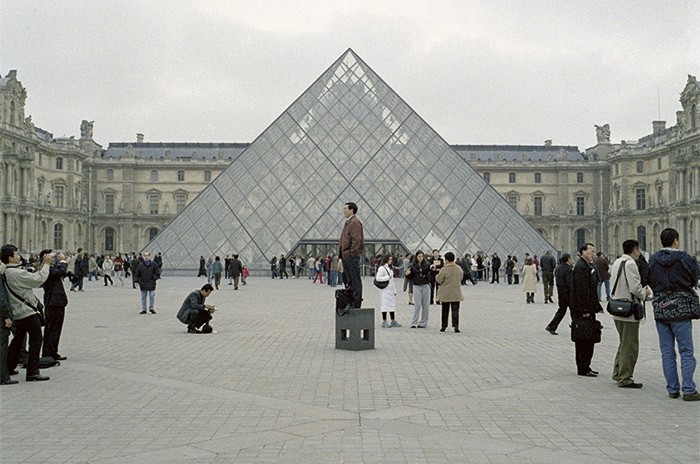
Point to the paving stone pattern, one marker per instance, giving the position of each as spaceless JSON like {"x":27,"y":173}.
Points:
{"x":270,"y":387}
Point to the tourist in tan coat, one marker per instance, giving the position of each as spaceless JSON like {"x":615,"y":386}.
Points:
{"x":450,"y":290}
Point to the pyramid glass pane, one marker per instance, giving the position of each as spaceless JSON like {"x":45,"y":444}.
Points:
{"x":348,"y":137}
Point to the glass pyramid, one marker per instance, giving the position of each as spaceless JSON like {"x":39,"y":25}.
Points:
{"x":348,"y":137}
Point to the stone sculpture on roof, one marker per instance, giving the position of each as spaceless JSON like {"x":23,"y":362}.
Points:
{"x":602,"y":133}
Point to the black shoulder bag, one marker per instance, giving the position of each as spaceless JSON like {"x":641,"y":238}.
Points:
{"x":382,"y":284}
{"x":623,"y":308}
{"x":39,"y":308}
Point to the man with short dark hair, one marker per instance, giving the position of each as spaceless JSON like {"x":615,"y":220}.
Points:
{"x":352,"y":248}
{"x":19,"y":283}
{"x":673,"y":274}
{"x":602,"y":266}
{"x":627,"y":286}
{"x":584,"y":304}
{"x":235,"y":270}
{"x":195,"y":313}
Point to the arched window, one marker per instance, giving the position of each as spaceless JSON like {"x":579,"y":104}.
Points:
{"x":207,"y":176}
{"x":538,"y":177}
{"x":154,"y":176}
{"x":579,"y":178}
{"x":511,"y":177}
{"x":109,"y":239}
{"x":640,"y":167}
{"x":110,"y":174}
{"x":13,"y":114}
{"x":58,"y":236}
{"x":487,"y":177}
{"x":59,"y":162}
{"x":580,"y":238}
{"x":642,"y":237}
{"x":152,"y":232}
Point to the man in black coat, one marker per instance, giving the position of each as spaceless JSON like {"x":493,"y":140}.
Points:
{"x":234,"y":271}
{"x":5,"y":324}
{"x":584,"y":304}
{"x":563,"y":275}
{"x":145,"y":276}
{"x":548,"y":263}
{"x":55,"y":302}
{"x":495,"y":268}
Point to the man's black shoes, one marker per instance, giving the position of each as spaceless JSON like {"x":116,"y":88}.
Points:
{"x":550,"y":330}
{"x":9,"y":382}
{"x":37,"y":378}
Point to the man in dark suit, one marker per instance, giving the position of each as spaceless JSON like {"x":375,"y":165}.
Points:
{"x":55,"y":301}
{"x":584,"y":304}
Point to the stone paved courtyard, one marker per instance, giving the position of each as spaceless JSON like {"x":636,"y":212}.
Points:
{"x":269,"y":386}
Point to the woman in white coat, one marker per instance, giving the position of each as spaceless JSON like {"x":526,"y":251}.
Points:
{"x":387,"y":295}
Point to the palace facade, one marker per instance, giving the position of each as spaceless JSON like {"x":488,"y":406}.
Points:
{"x":69,"y":193}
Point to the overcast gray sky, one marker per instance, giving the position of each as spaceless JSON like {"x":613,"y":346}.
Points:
{"x":479,"y":72}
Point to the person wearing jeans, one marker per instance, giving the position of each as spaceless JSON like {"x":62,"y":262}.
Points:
{"x":419,"y":273}
{"x":673,"y":275}
{"x":146,"y":275}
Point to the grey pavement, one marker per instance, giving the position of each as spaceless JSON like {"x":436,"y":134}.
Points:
{"x":269,"y":386}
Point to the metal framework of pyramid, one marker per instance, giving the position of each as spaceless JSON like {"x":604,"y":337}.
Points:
{"x":348,"y":137}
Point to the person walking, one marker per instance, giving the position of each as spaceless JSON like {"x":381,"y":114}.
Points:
{"x":217,"y":268}
{"x":319,"y":270}
{"x":516,"y":271}
{"x":419,"y":273}
{"x":529,"y":280}
{"x":563,"y":275}
{"x":584,"y":304}
{"x":449,"y":281}
{"x":672,"y":275}
{"x":235,"y":271}
{"x":548,"y":263}
{"x":387,"y":295}
{"x":202,"y":267}
{"x":119,"y":268}
{"x":627,"y":286}
{"x":146,"y":275}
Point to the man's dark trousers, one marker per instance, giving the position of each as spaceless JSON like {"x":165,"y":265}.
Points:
{"x":52,"y":331}
{"x":4,"y":337}
{"x":351,"y":276}
{"x":561,"y":312}
{"x":548,"y":283}
{"x":28,"y":325}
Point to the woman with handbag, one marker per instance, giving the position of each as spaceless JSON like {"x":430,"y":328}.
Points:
{"x":626,"y":287}
{"x":419,"y":272}
{"x":387,"y":295}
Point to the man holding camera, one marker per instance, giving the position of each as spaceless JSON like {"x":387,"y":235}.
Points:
{"x":19,"y":284}
{"x":55,"y":302}
{"x":195,"y":313}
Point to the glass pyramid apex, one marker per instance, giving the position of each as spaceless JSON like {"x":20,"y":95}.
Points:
{"x":348,"y":137}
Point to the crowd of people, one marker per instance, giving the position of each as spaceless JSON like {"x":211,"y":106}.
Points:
{"x":669,"y":280}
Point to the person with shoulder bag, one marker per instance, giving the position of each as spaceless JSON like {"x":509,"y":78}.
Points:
{"x":627,"y":286}
{"x":25,"y":307}
{"x":384,"y":281}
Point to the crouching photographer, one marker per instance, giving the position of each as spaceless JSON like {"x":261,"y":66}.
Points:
{"x":195,"y":313}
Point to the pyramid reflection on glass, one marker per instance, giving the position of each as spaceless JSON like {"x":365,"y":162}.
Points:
{"x":349,"y":137}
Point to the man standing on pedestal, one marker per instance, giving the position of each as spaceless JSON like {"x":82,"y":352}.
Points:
{"x":352,"y":248}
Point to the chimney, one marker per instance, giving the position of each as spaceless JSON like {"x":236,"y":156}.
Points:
{"x":547,"y":143}
{"x":659,"y":127}
{"x":139,"y":138}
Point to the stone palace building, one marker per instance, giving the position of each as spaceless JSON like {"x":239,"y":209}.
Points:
{"x":66,"y":193}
